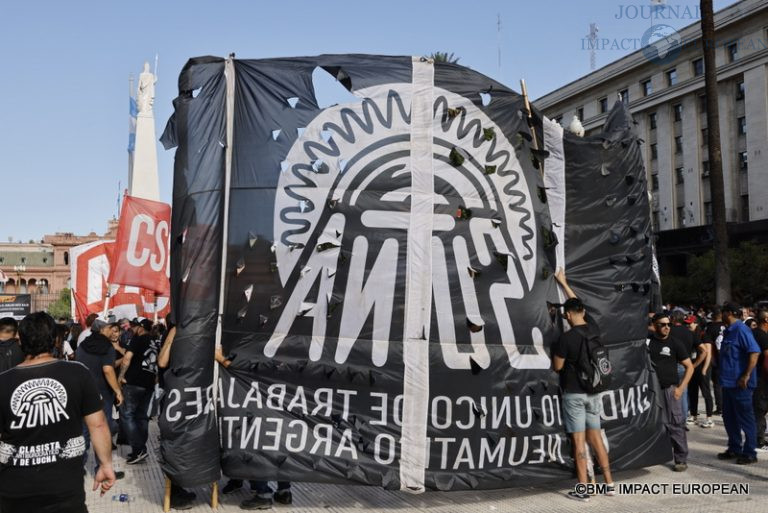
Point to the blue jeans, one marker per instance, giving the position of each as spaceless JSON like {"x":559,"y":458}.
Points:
{"x":738,"y":417}
{"x":134,"y":416}
{"x":684,"y":397}
{"x":262,"y":488}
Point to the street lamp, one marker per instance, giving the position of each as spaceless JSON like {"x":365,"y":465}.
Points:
{"x":19,"y":269}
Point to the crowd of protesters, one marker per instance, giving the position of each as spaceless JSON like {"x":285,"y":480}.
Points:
{"x":719,"y":354}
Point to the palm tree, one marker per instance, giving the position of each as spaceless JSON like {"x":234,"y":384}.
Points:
{"x":717,"y":189}
{"x":444,"y":57}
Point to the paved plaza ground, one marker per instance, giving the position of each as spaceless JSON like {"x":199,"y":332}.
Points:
{"x":144,"y":484}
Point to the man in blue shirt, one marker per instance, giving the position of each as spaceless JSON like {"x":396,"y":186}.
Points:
{"x":738,"y":358}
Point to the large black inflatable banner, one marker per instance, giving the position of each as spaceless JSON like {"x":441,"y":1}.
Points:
{"x":387,"y":274}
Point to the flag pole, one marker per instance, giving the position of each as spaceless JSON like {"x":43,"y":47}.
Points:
{"x":531,"y":125}
{"x":229,"y":75}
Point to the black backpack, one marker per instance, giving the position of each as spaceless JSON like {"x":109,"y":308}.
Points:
{"x":593,"y":367}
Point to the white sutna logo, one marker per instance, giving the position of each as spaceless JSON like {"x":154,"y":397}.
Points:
{"x":38,"y":402}
{"x":346,"y":185}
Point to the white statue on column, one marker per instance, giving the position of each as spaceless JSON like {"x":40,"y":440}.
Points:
{"x":143,"y":177}
{"x":146,"y":96}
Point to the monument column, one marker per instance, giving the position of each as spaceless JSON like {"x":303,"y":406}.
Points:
{"x":144,"y":180}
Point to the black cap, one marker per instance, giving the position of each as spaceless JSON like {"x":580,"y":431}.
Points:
{"x":730,"y":307}
{"x":659,"y":316}
{"x":146,"y":324}
{"x":573,"y":304}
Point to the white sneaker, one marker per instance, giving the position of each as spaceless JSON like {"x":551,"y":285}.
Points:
{"x":707,"y":423}
{"x":762,"y":448}
{"x":690,"y":420}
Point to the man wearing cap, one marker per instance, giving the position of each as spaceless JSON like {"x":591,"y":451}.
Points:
{"x":581,"y":409}
{"x":138,"y":372}
{"x":738,"y":359}
{"x":713,"y":336}
{"x":760,"y":396}
{"x":666,"y":353}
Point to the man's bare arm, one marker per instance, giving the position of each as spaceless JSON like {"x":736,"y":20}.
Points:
{"x":109,"y":375}
{"x":124,"y":366}
{"x":102,"y":446}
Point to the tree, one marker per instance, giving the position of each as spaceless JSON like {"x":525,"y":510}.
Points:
{"x":717,"y":188}
{"x":444,"y":57}
{"x":62,"y":307}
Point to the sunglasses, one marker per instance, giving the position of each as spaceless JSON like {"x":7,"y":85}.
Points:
{"x":663,"y":324}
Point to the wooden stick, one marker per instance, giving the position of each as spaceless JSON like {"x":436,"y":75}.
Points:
{"x":530,"y":114}
{"x":167,"y":495}
{"x":215,"y":495}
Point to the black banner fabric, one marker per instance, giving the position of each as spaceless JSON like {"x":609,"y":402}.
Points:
{"x":15,"y":305}
{"x":388,"y":271}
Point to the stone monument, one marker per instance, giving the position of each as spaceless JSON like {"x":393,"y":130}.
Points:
{"x":144,"y":179}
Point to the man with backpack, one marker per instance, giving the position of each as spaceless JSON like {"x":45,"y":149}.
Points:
{"x":580,"y":397}
{"x":666,"y":352}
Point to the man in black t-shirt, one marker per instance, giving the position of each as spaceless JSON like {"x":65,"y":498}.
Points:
{"x":760,"y":395}
{"x":713,"y":335}
{"x":10,"y":351}
{"x":43,"y":404}
{"x":581,"y":409}
{"x":138,"y":372}
{"x":666,"y":353}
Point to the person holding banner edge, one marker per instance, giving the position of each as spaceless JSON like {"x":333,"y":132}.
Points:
{"x":581,"y":410}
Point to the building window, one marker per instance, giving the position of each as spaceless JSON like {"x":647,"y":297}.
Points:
{"x":23,"y":260}
{"x":743,"y":160}
{"x":647,"y":87}
{"x":679,"y":178}
{"x":678,"y":110}
{"x":655,"y":220}
{"x":733,"y":51}
{"x":66,"y":258}
{"x":559,"y":120}
{"x":580,"y":113}
{"x":678,"y":144}
{"x":603,"y":105}
{"x":654,"y":182}
{"x":654,"y":152}
{"x":703,"y":103}
{"x":745,"y":208}
{"x":742,"y":124}
{"x":652,"y":120}
{"x":707,"y":212}
{"x":671,"y":77}
{"x":624,"y":94}
{"x":680,"y":217}
{"x":698,"y":67}
{"x":740,"y":91}
{"x":705,"y":169}
{"x":704,"y":137}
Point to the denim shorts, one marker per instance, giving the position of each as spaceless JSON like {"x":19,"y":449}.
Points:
{"x":581,"y":411}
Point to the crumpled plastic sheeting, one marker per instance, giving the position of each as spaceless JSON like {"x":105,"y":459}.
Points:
{"x":317,"y":259}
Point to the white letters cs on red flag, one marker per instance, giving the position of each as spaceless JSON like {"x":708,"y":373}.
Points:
{"x":142,"y":253}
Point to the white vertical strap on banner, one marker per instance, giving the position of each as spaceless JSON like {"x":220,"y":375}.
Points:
{"x":418,"y":285}
{"x":554,"y":183}
{"x":229,"y":75}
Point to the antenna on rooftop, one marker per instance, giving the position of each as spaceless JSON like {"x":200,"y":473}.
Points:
{"x":498,"y":39}
{"x":592,"y":38}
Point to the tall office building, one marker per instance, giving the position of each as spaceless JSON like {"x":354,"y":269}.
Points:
{"x":669,"y":105}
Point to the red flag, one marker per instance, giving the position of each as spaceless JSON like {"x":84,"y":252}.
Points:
{"x":90,"y":268}
{"x":142,"y":255}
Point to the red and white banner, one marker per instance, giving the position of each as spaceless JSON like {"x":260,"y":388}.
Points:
{"x":90,"y":269}
{"x":142,"y":254}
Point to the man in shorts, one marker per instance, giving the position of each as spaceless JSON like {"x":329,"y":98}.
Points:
{"x":581,"y":409}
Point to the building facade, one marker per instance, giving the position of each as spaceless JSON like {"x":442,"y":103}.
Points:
{"x":43,"y":268}
{"x":668,"y":104}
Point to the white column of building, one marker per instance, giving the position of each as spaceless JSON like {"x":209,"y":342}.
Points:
{"x":665,"y":163}
{"x":143,"y":178}
{"x":725,"y":102}
{"x":756,"y":110}
{"x":691,"y":164}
